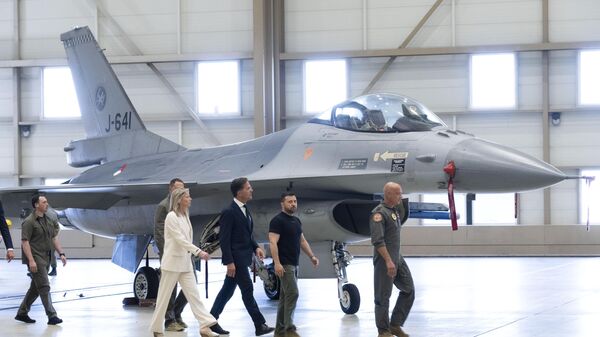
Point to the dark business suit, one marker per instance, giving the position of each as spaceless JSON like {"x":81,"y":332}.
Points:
{"x":4,"y":229}
{"x":237,"y":247}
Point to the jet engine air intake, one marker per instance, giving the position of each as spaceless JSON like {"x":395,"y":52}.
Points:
{"x":353,"y":215}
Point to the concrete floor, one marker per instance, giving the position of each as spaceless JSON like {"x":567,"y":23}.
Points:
{"x":455,"y":297}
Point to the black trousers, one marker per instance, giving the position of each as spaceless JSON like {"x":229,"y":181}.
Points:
{"x":242,"y":280}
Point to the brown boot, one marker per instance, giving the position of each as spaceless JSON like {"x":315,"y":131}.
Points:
{"x":385,"y":334}
{"x":397,"y":331}
{"x":291,"y":333}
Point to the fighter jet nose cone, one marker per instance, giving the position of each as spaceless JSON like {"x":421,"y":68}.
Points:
{"x":482,"y":166}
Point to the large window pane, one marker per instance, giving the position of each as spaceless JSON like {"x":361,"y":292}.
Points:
{"x":590,"y":197}
{"x":218,"y":88}
{"x":494,"y":209}
{"x":589,"y":77}
{"x":325,"y":84}
{"x":493,"y":81}
{"x":60,"y":99}
{"x":54,"y":181}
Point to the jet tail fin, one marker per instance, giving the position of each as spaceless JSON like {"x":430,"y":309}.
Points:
{"x":113,"y":127}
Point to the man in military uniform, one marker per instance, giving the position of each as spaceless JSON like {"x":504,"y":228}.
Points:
{"x":389,"y":266}
{"x":173,"y":321}
{"x":38,"y":239}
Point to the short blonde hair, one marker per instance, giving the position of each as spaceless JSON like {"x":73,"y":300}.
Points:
{"x":176,"y":197}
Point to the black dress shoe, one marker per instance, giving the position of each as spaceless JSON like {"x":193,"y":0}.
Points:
{"x":52,"y":272}
{"x":54,"y":320}
{"x":24,"y":318}
{"x":263,"y":329}
{"x":218,"y":329}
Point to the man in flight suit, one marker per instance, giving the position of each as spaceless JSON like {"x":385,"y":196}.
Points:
{"x":389,"y":266}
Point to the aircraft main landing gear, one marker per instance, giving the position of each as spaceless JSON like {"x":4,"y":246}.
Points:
{"x":266,"y":272}
{"x":348,"y":293}
{"x":145,"y":283}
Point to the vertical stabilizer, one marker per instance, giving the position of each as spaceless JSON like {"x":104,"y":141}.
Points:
{"x":105,"y":108}
{"x":114,"y":131}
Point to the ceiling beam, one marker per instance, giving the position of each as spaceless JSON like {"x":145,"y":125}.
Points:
{"x":134,"y":49}
{"x":405,"y":43}
{"x":504,"y":48}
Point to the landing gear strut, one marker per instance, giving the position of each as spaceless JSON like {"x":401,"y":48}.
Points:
{"x":348,"y":293}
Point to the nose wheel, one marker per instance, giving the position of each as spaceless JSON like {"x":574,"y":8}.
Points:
{"x":350,"y":299}
{"x":348,"y":293}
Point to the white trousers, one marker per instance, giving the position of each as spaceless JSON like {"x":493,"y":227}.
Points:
{"x":187,"y":281}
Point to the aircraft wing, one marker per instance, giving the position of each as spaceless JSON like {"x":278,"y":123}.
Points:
{"x":87,"y":196}
{"x":104,"y":196}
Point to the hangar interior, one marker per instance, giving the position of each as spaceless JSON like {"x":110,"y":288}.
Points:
{"x":422,"y":49}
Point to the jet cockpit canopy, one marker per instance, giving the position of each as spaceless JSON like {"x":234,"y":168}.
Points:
{"x":380,"y":113}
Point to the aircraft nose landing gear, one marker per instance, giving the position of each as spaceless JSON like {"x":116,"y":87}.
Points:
{"x":348,"y":293}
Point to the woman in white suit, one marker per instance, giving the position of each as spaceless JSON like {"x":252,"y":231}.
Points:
{"x":176,"y":266}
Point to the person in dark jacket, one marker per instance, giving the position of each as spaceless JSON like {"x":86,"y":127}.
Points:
{"x":237,"y":248}
{"x":10,"y":253}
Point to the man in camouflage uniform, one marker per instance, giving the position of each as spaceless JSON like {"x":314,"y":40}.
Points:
{"x":389,"y":266}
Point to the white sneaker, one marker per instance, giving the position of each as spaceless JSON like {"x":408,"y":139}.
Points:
{"x":207,"y":332}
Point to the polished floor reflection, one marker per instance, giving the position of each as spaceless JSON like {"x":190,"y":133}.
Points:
{"x":488,"y":297}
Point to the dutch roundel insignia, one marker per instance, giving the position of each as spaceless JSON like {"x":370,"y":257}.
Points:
{"x":377,"y":217}
{"x":394,"y":216}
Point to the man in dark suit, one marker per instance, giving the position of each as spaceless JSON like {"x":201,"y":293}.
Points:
{"x":237,"y":248}
{"x":10,"y":254}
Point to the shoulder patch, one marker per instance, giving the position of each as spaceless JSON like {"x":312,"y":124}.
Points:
{"x":377,"y":217}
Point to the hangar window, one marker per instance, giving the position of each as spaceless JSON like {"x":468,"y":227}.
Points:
{"x":487,"y":208}
{"x":325,"y":84}
{"x":493,"y":81}
{"x":589,"y":197}
{"x":589,"y":77}
{"x":58,"y":90}
{"x":494,"y":209}
{"x":54,"y":181}
{"x":218,"y":87}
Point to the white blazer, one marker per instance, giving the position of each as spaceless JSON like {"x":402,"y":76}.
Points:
{"x":178,"y":244}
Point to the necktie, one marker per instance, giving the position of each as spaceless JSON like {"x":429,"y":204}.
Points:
{"x":247,"y":215}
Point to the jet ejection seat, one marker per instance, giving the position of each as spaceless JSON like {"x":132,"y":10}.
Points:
{"x":376,"y":120}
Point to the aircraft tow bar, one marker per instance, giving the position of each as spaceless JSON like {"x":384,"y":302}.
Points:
{"x":450,"y":170}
